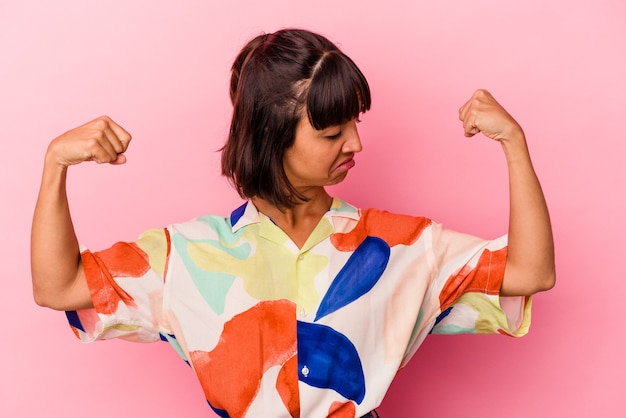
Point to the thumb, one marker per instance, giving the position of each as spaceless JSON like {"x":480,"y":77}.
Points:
{"x":121,"y":159}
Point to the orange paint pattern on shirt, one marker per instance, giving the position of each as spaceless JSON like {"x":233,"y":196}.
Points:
{"x":251,"y":343}
{"x":392,"y":228}
{"x":121,"y":260}
{"x":486,"y":278}
{"x":342,"y":410}
{"x":287,"y":386}
{"x":125,"y":260}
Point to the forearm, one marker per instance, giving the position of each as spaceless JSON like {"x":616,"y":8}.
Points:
{"x":55,"y":255}
{"x":530,"y":260}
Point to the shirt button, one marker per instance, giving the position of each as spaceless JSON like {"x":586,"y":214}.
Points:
{"x":301,"y":257}
{"x":305,"y":371}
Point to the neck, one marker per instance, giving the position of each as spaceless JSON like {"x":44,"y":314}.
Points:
{"x":318,"y":204}
{"x":300,"y":221}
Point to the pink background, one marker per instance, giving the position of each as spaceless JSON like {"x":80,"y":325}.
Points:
{"x":161,"y":69}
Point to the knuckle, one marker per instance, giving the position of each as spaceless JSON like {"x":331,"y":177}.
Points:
{"x":102,"y":122}
{"x":88,"y":156}
{"x":92,"y":142}
{"x":101,"y":158}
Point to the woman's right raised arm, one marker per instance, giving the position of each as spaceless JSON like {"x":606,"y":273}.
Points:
{"x":58,"y":276}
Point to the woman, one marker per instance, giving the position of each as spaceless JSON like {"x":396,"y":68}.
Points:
{"x":297,"y":304}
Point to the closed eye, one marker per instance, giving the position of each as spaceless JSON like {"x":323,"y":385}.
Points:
{"x":335,"y":136}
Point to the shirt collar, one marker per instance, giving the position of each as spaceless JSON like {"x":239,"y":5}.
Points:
{"x":248,"y":214}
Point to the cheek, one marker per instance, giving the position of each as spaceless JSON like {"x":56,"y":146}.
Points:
{"x":296,"y":164}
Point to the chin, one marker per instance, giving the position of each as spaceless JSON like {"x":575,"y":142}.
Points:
{"x":337,"y":180}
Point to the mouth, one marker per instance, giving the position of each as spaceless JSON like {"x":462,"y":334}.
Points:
{"x":345,"y":165}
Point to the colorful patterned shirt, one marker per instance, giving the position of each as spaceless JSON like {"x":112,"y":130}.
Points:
{"x":273,"y":330}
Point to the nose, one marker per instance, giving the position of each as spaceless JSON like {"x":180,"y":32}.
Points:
{"x":353,"y":140}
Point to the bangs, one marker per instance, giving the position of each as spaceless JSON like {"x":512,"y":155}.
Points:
{"x":338,"y":91}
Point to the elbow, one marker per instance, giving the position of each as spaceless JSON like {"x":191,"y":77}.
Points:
{"x":548,"y":281}
{"x":525,"y":282}
{"x":542,"y":283}
{"x":39,"y":296}
{"x":61,"y":292}
{"x":40,"y":293}
{"x":45,"y":301}
{"x":49,"y":299}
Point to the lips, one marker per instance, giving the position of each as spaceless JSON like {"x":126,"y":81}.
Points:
{"x":346,"y":165}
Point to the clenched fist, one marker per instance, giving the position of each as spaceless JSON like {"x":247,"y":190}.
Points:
{"x":482,"y":113}
{"x":101,"y":140}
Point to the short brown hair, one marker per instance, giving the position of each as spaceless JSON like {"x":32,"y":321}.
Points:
{"x":274,"y":78}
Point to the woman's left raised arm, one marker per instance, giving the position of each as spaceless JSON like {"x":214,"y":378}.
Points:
{"x":530,"y":260}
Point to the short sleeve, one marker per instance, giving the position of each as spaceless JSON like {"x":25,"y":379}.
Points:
{"x":126,"y":283}
{"x":469,"y":276}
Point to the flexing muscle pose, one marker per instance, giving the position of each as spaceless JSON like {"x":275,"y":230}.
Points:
{"x":297,"y":303}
